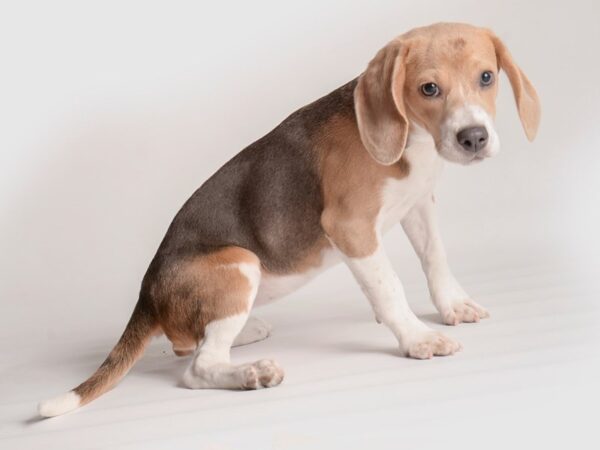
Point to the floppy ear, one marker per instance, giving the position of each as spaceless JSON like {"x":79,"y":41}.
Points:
{"x":528,"y":102}
{"x":379,"y":104}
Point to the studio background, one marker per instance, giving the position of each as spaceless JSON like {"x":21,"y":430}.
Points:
{"x":113,"y":113}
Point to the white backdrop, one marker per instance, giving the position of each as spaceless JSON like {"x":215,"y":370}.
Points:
{"x":111,"y":115}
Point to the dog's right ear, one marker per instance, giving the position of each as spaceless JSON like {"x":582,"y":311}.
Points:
{"x":379,"y":104}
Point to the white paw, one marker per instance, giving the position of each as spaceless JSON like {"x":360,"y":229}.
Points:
{"x":263,"y":373}
{"x":427,"y":344}
{"x":461,"y":311}
{"x":254,"y":330}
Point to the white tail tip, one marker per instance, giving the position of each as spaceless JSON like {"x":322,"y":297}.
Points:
{"x":59,"y":405}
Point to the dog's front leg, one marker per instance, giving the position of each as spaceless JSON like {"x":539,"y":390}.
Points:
{"x":384,"y":290}
{"x":450,"y":299}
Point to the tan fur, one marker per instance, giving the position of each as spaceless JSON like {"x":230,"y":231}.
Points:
{"x":352,"y":183}
{"x":379,"y":104}
{"x":435,"y":55}
{"x":528,"y":102}
{"x":453,"y":56}
{"x":204,"y":289}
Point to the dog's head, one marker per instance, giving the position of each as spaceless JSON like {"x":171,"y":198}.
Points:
{"x":444,"y":79}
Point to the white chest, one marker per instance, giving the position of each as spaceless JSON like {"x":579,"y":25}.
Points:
{"x":400,"y":195}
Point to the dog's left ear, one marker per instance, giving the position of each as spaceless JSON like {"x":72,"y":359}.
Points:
{"x":379,"y":104}
{"x":528,"y":102}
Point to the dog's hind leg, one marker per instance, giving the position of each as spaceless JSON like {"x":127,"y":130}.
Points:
{"x":255,"y":330}
{"x":212,"y":368}
{"x":229,"y":283}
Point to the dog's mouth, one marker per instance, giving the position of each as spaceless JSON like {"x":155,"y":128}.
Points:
{"x":452,"y":151}
{"x":479,"y":158}
{"x":459,"y":156}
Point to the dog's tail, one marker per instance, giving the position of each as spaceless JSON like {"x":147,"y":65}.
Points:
{"x":138,"y":332}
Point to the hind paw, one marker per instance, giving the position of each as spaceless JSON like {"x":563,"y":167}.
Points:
{"x":262,"y":374}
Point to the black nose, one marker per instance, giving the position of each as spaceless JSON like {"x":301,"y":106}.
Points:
{"x":472,"y":139}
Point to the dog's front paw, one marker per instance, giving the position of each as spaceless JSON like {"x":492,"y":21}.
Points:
{"x":462,"y":311}
{"x":428,"y":343}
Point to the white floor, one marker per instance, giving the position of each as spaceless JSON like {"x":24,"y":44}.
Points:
{"x":527,"y":377}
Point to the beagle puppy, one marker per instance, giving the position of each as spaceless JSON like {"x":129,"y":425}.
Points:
{"x":322,"y":188}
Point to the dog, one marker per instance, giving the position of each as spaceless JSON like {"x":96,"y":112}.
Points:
{"x":321,"y":188}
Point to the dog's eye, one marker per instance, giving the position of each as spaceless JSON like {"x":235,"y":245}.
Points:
{"x":487,"y":78}
{"x":430,"y":90}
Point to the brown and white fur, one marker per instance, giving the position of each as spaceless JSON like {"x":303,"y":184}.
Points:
{"x":321,"y":188}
